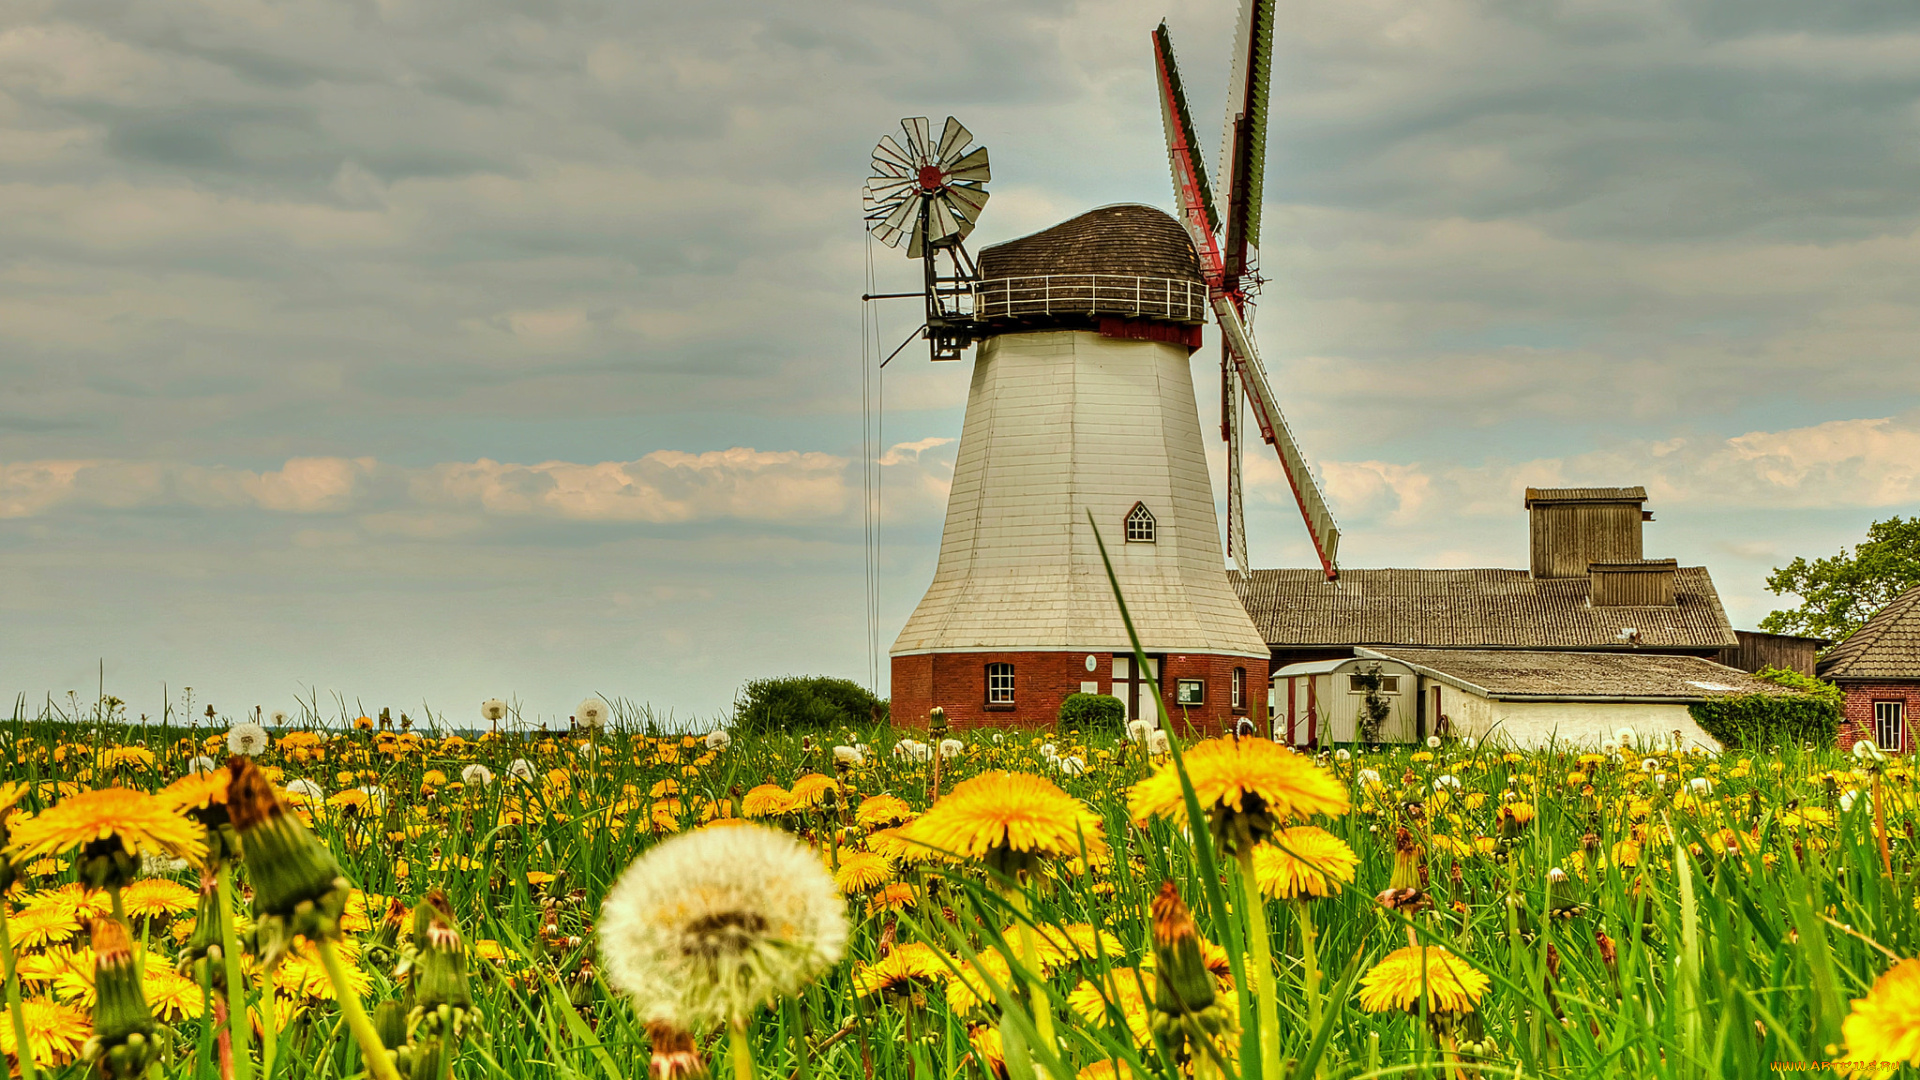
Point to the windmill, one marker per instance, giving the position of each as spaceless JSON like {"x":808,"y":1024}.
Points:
{"x":928,"y":194}
{"x":1224,"y":223}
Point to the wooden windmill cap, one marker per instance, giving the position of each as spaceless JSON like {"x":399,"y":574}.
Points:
{"x":1127,"y":261}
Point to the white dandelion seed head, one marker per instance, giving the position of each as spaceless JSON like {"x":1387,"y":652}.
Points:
{"x":1866,"y":750}
{"x":1433,"y":742}
{"x":152,"y":865}
{"x":306,"y":789}
{"x":1343,"y":754}
{"x":591,"y":714}
{"x":1846,"y":800}
{"x":1700,"y":785}
{"x":521,"y":770}
{"x":1469,"y":742}
{"x":1158,"y":742}
{"x":248,"y":739}
{"x":1049,"y":751}
{"x":718,"y":740}
{"x":476,"y":774}
{"x":1368,"y":777}
{"x":376,"y":796}
{"x":1556,"y":875}
{"x":997,"y":737}
{"x":912,"y":750}
{"x":849,"y":755}
{"x":493,"y":709}
{"x":278,"y":717}
{"x":1649,"y":764}
{"x":1608,"y":746}
{"x":1070,"y":766}
{"x":951,"y":748}
{"x":1443,"y":783}
{"x":1137,"y":730}
{"x":1660,"y":780}
{"x":202,"y":764}
{"x":712,"y":924}
{"x":1624,"y":736}
{"x":587,"y":751}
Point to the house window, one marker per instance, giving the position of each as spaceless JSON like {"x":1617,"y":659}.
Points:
{"x":1389,"y":684}
{"x":1889,"y":722}
{"x":1239,"y":688}
{"x":999,"y":684}
{"x":1190,"y":692}
{"x":1140,"y":525}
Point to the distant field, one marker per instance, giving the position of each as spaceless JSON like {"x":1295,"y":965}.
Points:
{"x":1632,"y":912}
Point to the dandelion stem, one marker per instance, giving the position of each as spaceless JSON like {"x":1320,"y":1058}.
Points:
{"x":237,"y":1026}
{"x":1259,"y":957}
{"x":1030,"y":961}
{"x":21,"y":1049}
{"x":378,"y":1063}
{"x":1309,"y":956}
{"x":742,"y":1050}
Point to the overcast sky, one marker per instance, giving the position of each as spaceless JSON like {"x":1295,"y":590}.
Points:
{"x":423,"y":351}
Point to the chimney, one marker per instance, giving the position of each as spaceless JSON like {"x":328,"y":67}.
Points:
{"x":1573,"y":528}
{"x":1642,"y":583}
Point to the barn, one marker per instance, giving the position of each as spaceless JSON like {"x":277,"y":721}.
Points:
{"x":1878,"y":667}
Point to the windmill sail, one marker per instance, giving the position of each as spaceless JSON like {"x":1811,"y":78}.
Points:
{"x":1230,"y":266}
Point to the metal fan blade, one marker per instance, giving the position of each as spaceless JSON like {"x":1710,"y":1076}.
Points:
{"x":903,"y":214}
{"x":953,"y":139}
{"x":917,"y":246}
{"x":919,"y":139}
{"x":968,"y":200}
{"x":890,"y":159}
{"x":941,"y":222}
{"x":971,"y":167}
{"x":884,"y":190}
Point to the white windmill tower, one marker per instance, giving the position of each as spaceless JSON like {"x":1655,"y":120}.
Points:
{"x":1081,"y":402}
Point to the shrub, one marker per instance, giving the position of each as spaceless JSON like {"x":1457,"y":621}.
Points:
{"x":805,"y":703}
{"x":1092,"y":713}
{"x":1760,"y":721}
{"x":1806,"y":684}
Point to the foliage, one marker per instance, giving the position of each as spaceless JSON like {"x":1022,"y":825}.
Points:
{"x":1839,"y":593}
{"x":1762,"y":721}
{"x":1374,"y":706}
{"x":1806,"y":684}
{"x":806,"y":703}
{"x":1093,"y":714}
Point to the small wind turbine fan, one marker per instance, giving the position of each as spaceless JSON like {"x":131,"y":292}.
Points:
{"x":928,"y":194}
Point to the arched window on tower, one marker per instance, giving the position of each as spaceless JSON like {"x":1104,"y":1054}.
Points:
{"x":1140,"y":525}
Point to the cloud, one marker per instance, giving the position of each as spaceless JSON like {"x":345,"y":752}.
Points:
{"x":442,"y":501}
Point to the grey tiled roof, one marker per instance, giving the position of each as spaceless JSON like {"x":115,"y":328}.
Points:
{"x":1887,"y":647}
{"x":1610,"y":494}
{"x":1523,"y":673}
{"x":1468,"y":608}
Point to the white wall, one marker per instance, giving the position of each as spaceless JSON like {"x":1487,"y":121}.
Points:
{"x":1535,"y":723}
{"x":1338,"y":708}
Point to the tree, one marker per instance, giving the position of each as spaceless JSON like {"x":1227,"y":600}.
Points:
{"x":1838,"y":594}
{"x":805,"y":703}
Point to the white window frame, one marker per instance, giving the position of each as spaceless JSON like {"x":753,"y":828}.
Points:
{"x":999,"y":684}
{"x":1239,"y":689}
{"x":1889,"y":723}
{"x":1389,"y":684}
{"x":1141,"y":526}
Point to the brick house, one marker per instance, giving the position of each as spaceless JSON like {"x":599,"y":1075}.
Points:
{"x":1879,"y":668}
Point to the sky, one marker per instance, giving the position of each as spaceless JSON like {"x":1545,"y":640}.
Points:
{"x":410,"y":353}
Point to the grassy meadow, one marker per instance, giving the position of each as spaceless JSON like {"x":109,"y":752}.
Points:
{"x":1628,"y":911}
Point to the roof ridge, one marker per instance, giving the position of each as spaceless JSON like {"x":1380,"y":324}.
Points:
{"x":1861,"y":645}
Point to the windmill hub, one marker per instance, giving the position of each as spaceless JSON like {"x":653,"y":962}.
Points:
{"x":932,"y":179}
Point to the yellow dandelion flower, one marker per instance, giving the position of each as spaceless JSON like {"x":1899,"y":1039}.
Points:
{"x":142,"y":824}
{"x":882,"y":810}
{"x":196,"y":791}
{"x":150,"y":897}
{"x":814,"y":789}
{"x":1120,"y":987}
{"x":905,"y":968}
{"x":973,"y":985}
{"x":39,"y":925}
{"x":862,"y":871}
{"x":55,"y":1033}
{"x":896,"y":845}
{"x":1256,"y":781}
{"x":171,"y":995}
{"x":987,"y":1049}
{"x":1452,"y":985}
{"x":895,"y":897}
{"x":130,"y":756}
{"x":767,"y":800}
{"x":1885,"y":1025}
{"x":1305,"y":860}
{"x":1008,"y":819}
{"x":1058,"y":945}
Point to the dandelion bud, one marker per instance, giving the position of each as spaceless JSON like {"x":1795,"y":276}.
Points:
{"x":390,"y":1021}
{"x":674,"y":1055}
{"x":1408,"y":858}
{"x":1563,"y":896}
{"x":298,"y":887}
{"x":441,"y":994}
{"x":123,"y":1026}
{"x":937,"y":722}
{"x":1184,"y":983}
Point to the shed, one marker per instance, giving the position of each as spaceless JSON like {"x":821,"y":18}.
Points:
{"x":1320,"y":702}
{"x":1878,"y":667}
{"x":1533,"y":698}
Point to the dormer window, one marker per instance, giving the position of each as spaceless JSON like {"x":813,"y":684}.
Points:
{"x":1140,"y":525}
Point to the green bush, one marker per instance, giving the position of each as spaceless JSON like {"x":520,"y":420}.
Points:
{"x":1762,"y":721}
{"x":1093,"y":714}
{"x":1806,"y":684}
{"x":805,"y":703}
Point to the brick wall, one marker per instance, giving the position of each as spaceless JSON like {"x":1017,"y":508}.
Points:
{"x":957,"y":682}
{"x":1858,"y":724}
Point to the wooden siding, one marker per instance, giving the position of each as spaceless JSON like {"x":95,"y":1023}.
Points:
{"x":1567,"y":537}
{"x":1757,"y":650}
{"x":1648,"y":583}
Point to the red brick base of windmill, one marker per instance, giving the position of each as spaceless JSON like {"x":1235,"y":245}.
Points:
{"x":957,"y":682}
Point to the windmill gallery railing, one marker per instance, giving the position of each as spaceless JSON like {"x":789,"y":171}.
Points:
{"x":1126,"y":295}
